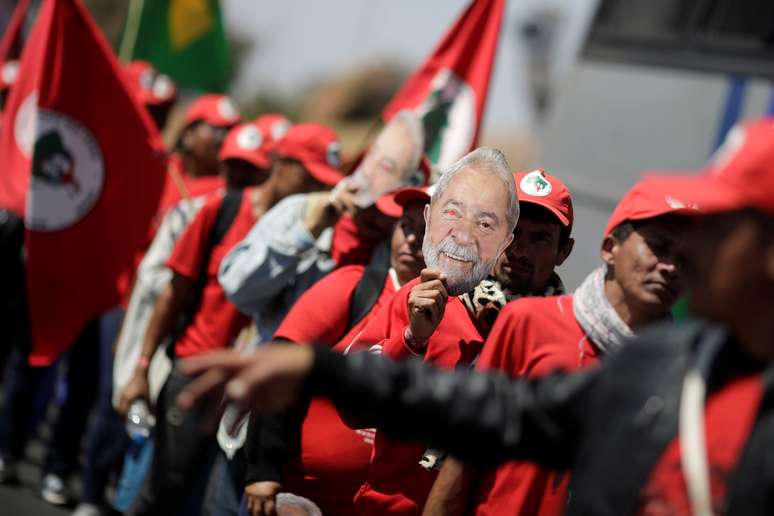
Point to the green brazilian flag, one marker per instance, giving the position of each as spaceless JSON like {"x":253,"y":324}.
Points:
{"x":184,"y":39}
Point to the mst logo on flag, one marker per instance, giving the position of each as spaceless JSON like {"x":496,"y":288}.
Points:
{"x":449,"y":117}
{"x":449,"y":89}
{"x":68,"y":171}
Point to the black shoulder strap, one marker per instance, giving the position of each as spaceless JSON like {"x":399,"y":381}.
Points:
{"x":365,"y":295}
{"x":227,"y":212}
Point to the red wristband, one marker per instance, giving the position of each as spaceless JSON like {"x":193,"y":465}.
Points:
{"x":143,"y":362}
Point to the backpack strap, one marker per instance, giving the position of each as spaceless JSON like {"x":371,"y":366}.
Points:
{"x":366,"y":293}
{"x":227,"y":212}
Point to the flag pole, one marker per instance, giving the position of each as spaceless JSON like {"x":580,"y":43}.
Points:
{"x":179,"y":183}
{"x":129,"y":40}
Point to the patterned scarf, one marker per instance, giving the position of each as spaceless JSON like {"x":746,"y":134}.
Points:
{"x":597,"y":316}
{"x":486,"y":300}
{"x":484,"y":304}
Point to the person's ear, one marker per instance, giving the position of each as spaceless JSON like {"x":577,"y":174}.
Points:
{"x":608,"y":251}
{"x":564,"y":252}
{"x":426,"y":215}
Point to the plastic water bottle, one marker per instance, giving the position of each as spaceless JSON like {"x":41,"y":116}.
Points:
{"x":139,"y":421}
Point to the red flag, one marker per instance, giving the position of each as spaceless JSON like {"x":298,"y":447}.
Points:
{"x":449,"y":90}
{"x":11,"y":43}
{"x":84,"y":166}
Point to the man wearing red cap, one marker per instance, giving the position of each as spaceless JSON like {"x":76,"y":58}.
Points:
{"x":306,"y":236}
{"x":677,"y":422}
{"x":214,"y":322}
{"x":331,"y":460}
{"x":470,"y":220}
{"x":637,"y":285}
{"x":193,"y":165}
{"x":541,"y":242}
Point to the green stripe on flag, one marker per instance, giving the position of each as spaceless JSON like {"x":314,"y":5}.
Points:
{"x":183,"y":38}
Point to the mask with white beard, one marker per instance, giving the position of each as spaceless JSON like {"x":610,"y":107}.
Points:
{"x":457,"y":281}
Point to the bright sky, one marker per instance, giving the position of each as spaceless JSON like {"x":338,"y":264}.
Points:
{"x":300,"y":41}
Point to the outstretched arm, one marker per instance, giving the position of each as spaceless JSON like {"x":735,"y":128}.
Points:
{"x":479,"y":418}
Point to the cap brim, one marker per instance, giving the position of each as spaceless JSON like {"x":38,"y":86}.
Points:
{"x":557,"y":213}
{"x":387,"y":206}
{"x":392,"y":204}
{"x":701,"y":194}
{"x":324,"y":173}
{"x":258,"y":159}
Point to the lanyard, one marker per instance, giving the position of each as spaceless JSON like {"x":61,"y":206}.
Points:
{"x":691,"y":424}
{"x":693,"y":448}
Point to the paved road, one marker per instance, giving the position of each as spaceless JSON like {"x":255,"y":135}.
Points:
{"x":23,"y":499}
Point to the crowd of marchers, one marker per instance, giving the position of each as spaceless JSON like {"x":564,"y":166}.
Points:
{"x":389,"y":338}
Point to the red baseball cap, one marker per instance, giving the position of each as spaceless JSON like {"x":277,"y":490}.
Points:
{"x":538,"y":187}
{"x":9,"y":71}
{"x":392,"y":204}
{"x":151,"y":87}
{"x":217,"y":110}
{"x":318,"y":149}
{"x":739,"y":175}
{"x":247,"y":142}
{"x":649,"y":198}
{"x":273,"y":125}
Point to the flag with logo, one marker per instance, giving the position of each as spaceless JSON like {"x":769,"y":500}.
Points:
{"x":83,"y":165}
{"x":183,"y":38}
{"x":449,"y":89}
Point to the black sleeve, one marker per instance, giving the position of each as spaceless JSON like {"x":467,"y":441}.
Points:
{"x":271,"y":442}
{"x":480,"y":418}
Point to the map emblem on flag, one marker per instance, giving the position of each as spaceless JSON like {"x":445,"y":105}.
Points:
{"x":449,"y":118}
{"x":68,"y":170}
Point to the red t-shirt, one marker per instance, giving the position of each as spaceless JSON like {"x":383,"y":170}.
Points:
{"x":729,"y":415}
{"x":532,"y":337}
{"x":334,"y":458}
{"x":396,"y":483}
{"x":349,"y":246}
{"x":217,"y":322}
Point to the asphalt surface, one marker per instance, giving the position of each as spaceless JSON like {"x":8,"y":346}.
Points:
{"x":23,"y":499}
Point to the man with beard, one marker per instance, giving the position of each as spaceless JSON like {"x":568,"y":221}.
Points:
{"x":309,"y":451}
{"x":541,"y":242}
{"x":678,"y":422}
{"x":637,"y":284}
{"x":469,"y":223}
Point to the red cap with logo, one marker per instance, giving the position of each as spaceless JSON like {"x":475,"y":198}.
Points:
{"x":649,"y":198}
{"x":151,"y":87}
{"x":217,"y":110}
{"x":538,"y":187}
{"x":739,"y":175}
{"x":9,"y":71}
{"x":273,"y":125}
{"x":392,"y":204}
{"x":316,"y":147}
{"x":247,"y":142}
